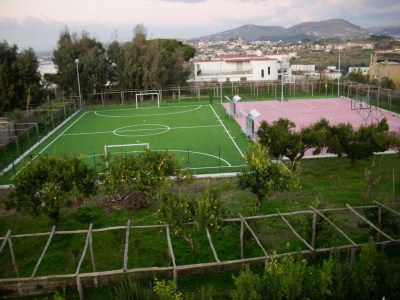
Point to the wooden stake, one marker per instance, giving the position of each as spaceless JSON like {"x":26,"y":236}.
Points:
{"x":3,"y":244}
{"x":294,"y":231}
{"x":388,"y":208}
{"x":314,"y":229}
{"x":353,"y":256}
{"x":369,"y":223}
{"x":92,"y":257}
{"x":10,"y":244}
{"x":89,"y":233}
{"x":241,"y":239}
{"x":334,"y":226}
{"x":79,"y":286}
{"x":378,"y":236}
{"x":211,"y":245}
{"x":44,"y":251}
{"x":126,"y":245}
{"x":171,"y":252}
{"x":254,"y":236}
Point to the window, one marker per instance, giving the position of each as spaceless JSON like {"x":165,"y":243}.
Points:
{"x":262,"y":73}
{"x":243,"y":78}
{"x":269,"y":70}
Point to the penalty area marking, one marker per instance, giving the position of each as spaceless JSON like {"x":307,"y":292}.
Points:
{"x":181,"y":151}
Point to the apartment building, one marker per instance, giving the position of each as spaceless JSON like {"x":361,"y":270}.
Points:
{"x":257,"y":67}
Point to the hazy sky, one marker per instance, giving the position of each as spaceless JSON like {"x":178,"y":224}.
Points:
{"x":37,"y":23}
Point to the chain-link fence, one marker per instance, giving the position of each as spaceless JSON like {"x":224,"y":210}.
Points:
{"x":17,"y":138}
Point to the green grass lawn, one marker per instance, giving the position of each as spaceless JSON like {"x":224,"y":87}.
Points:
{"x":201,"y":136}
{"x":207,"y":141}
{"x":331,"y":182}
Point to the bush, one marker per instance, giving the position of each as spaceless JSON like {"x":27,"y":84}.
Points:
{"x":247,"y":286}
{"x":132,"y":290}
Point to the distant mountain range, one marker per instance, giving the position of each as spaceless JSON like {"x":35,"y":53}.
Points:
{"x":334,"y":28}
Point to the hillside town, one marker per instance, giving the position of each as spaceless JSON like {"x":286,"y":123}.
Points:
{"x":378,"y":60}
{"x":302,"y":56}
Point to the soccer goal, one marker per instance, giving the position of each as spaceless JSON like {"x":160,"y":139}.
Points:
{"x":124,"y":149}
{"x":147,"y":98}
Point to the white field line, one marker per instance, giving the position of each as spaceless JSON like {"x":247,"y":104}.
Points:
{"x":37,"y":144}
{"x":169,"y":150}
{"x":145,"y":115}
{"x":48,"y":145}
{"x":146,"y":108}
{"x":226,"y":130}
{"x":140,"y":130}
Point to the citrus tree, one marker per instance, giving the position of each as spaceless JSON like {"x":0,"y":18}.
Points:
{"x":50,"y":183}
{"x":359,"y":143}
{"x":282,"y":139}
{"x":263,"y":176}
{"x":178,"y":209}
{"x":147,"y":171}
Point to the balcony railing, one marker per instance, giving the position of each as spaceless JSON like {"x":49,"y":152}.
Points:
{"x":224,"y":73}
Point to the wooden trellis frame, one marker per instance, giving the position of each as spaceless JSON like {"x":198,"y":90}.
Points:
{"x":18,"y":282}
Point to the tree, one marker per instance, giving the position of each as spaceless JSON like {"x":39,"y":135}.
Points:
{"x":93,"y":64}
{"x":19,"y":78}
{"x":29,"y":78}
{"x":177,"y":209}
{"x":145,"y":64}
{"x":277,"y":136}
{"x":394,"y":141}
{"x":360,"y":143}
{"x":282,"y":139}
{"x":357,"y":77}
{"x":387,"y":83}
{"x":262,"y":176}
{"x":147,"y":171}
{"x":50,"y":183}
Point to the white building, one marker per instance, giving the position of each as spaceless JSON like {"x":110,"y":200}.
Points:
{"x":47,"y":67}
{"x":362,"y":70}
{"x":303,"y":68}
{"x":240,"y":68}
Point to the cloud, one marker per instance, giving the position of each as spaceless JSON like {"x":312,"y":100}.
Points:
{"x":185,"y":1}
{"x":35,"y":23}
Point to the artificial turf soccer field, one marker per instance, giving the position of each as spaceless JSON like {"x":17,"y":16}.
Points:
{"x":202,"y":136}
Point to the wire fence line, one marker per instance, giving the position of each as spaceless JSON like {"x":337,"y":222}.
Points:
{"x":17,"y":138}
{"x":33,"y":284}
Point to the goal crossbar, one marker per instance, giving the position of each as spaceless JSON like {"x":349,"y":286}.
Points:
{"x":147,"y":145}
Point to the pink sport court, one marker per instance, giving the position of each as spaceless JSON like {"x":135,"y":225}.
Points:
{"x":308,"y":111}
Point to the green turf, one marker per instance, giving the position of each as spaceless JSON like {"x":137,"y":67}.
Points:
{"x":202,"y":136}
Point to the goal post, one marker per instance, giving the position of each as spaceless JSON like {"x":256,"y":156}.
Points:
{"x":139,"y":97}
{"x":124,"y":148}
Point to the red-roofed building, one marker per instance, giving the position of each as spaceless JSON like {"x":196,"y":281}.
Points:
{"x":240,"y":68}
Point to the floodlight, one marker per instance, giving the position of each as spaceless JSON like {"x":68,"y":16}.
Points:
{"x":254,"y":114}
{"x":236,"y":98}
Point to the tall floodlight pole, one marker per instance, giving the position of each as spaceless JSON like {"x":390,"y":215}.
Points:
{"x":220,"y":79}
{"x":282,"y":86}
{"x":79,"y":85}
{"x":338,"y":83}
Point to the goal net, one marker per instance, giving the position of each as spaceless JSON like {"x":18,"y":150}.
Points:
{"x":124,"y":149}
{"x":147,"y":98}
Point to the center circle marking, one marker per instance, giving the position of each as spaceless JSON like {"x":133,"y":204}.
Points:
{"x":141,"y":130}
